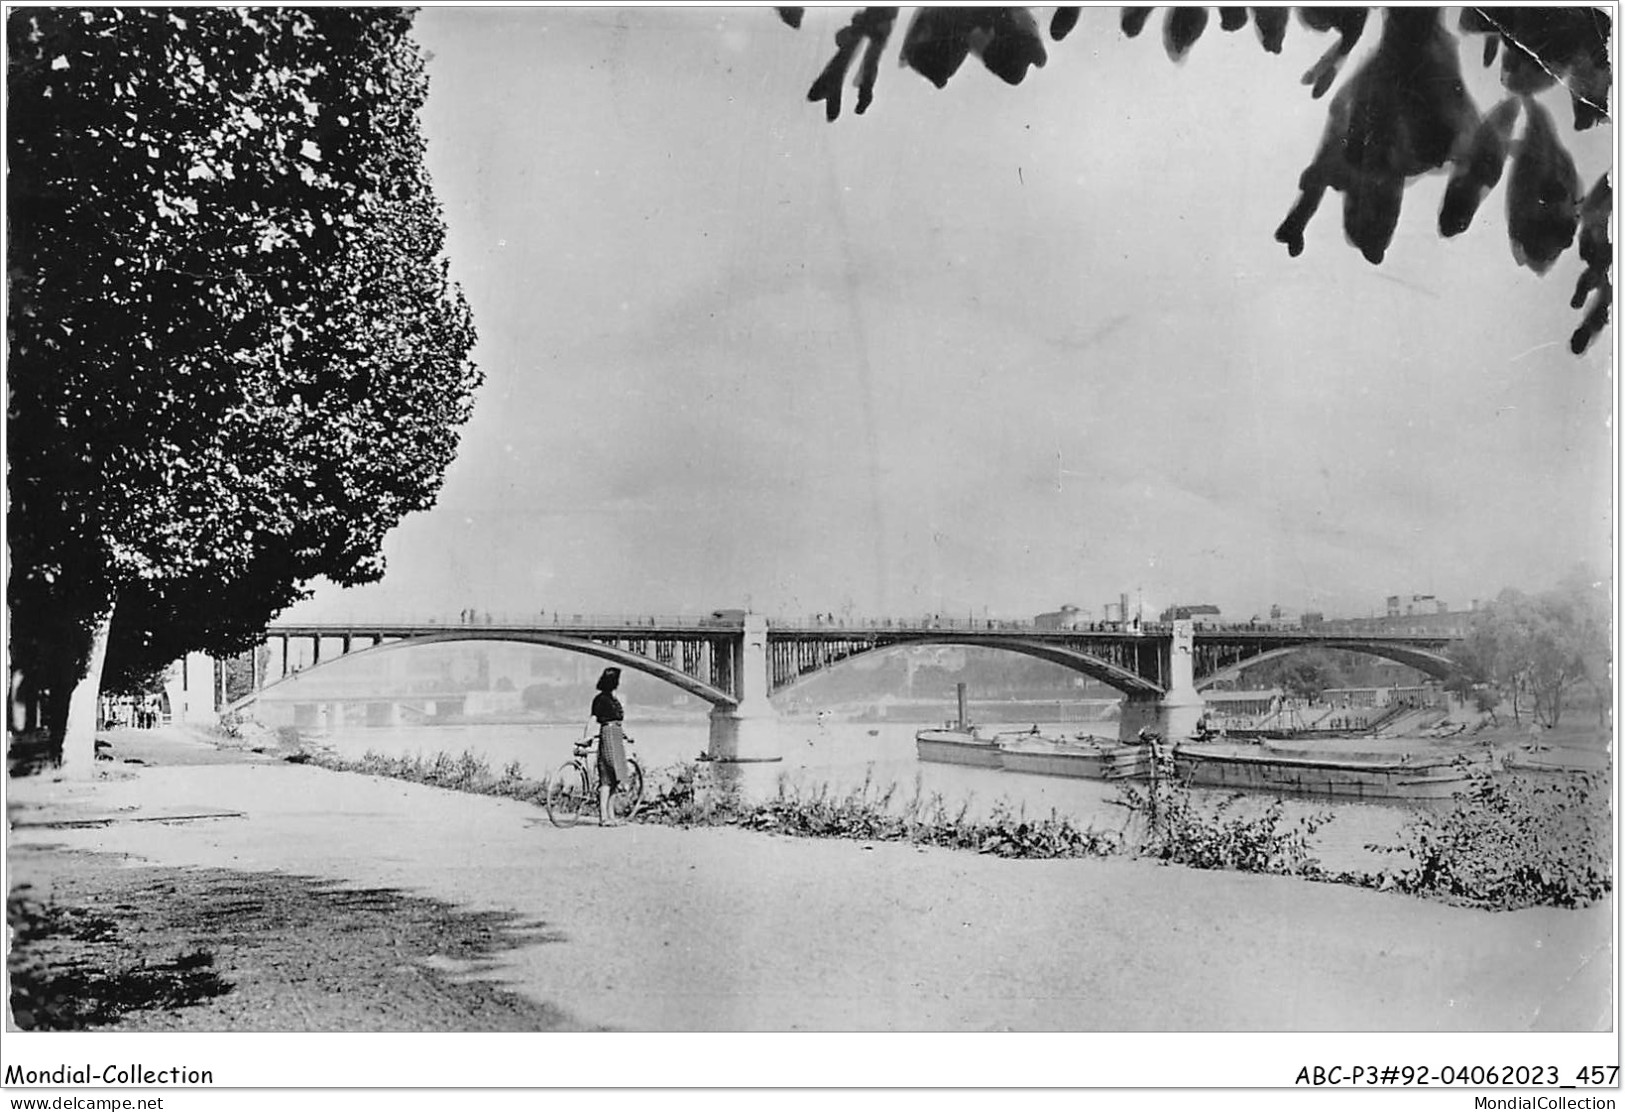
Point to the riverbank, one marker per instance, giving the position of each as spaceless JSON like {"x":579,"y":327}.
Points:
{"x":725,"y":929}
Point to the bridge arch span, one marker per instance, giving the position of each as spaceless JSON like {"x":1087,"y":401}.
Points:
{"x":1113,"y":675}
{"x":1423,"y":660}
{"x":632,"y":661}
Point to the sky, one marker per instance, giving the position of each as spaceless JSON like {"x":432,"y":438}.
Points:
{"x":984,"y":350}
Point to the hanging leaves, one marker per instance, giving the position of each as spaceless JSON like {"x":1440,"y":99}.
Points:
{"x":1479,"y":171}
{"x":870,"y":26}
{"x":939,"y":39}
{"x":1597,"y":251}
{"x":1349,"y":23}
{"x":1543,"y":194}
{"x":1133,"y":20}
{"x":1545,"y":46}
{"x":1404,"y":112}
{"x":1271,"y":24}
{"x":1180,"y":30}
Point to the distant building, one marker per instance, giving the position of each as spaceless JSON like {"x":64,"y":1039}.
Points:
{"x":1282,"y":617}
{"x":1399,"y":606}
{"x":1424,"y":622}
{"x":1067,"y":617}
{"x":1116,"y":611}
{"x":1203,"y":612}
{"x":1227,"y":703}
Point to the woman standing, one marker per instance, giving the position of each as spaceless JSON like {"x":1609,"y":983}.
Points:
{"x":606,"y":708}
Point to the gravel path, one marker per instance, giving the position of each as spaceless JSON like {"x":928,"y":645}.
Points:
{"x":720,"y":929}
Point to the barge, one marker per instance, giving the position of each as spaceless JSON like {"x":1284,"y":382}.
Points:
{"x":1348,"y":775}
{"x":1083,"y":757}
{"x":954,"y":744}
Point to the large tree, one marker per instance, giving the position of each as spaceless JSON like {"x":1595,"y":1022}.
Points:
{"x":236,"y":358}
{"x":1536,"y":649}
{"x":1402,"y":113}
{"x":1305,"y":674}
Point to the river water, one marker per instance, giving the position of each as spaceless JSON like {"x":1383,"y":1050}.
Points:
{"x":842,"y":755}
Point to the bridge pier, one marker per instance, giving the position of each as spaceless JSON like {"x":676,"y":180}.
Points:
{"x":1176,"y":714}
{"x":750,"y":730}
{"x":1181,"y":708}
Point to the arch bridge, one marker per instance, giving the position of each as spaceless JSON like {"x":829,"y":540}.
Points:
{"x":734,"y":661}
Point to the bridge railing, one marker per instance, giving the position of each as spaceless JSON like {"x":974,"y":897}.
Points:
{"x":829,"y":622}
{"x":928,"y":622}
{"x":535,"y":619}
{"x":815,"y":622}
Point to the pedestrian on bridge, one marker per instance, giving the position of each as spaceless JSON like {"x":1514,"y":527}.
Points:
{"x":607,"y":709}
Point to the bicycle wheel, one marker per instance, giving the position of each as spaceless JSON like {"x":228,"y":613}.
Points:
{"x":629,"y":796}
{"x":567,"y":794}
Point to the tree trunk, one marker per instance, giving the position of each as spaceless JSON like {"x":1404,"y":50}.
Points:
{"x":79,"y":731}
{"x":25,"y":709}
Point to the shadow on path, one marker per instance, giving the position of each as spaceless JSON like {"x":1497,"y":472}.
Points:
{"x":142,"y":948}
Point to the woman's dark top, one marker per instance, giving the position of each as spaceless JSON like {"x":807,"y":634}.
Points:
{"x":612,"y":748}
{"x":607,"y":708}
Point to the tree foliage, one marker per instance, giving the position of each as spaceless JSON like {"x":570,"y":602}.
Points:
{"x":236,"y":358}
{"x":1402,"y":113}
{"x":1536,"y":649}
{"x":1304,"y":675}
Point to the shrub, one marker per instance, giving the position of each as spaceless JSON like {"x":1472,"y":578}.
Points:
{"x":1511,"y":841}
{"x":1173,"y":827}
{"x":706,"y":796}
{"x":694,"y":793}
{"x":236,"y":730}
{"x":467,"y":772}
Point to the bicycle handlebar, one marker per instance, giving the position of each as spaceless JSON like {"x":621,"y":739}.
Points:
{"x":584,"y":745}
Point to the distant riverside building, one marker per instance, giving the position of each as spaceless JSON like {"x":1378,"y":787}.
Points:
{"x":1233,"y":702}
{"x":1395,"y":694}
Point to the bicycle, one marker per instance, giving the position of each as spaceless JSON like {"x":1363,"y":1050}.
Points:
{"x":572,"y":790}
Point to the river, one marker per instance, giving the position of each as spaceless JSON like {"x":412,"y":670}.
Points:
{"x":843,"y":754}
